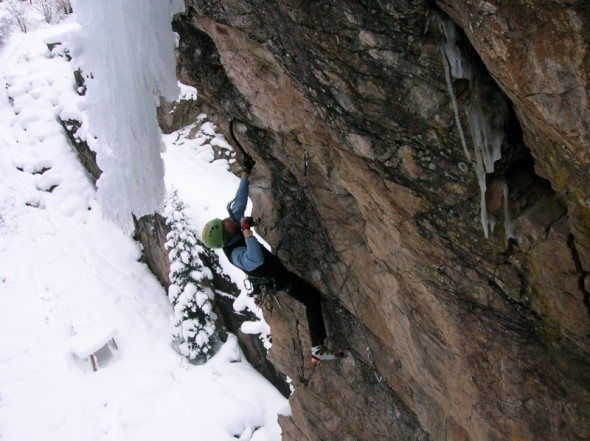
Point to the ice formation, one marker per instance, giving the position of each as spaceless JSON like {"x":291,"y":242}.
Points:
{"x":485,"y":125}
{"x":454,"y":65}
{"x":507,"y":220}
{"x":126,"y":70}
{"x":487,"y":143}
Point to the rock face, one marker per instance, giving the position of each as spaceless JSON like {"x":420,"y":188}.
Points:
{"x":86,"y":156}
{"x":539,"y":57}
{"x":151,"y":232}
{"x":422,"y":140}
{"x":177,"y":114}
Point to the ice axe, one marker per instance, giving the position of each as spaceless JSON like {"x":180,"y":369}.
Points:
{"x":247,"y":160}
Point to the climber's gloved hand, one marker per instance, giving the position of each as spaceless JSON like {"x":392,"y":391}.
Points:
{"x":246,"y":223}
{"x":248,"y":164}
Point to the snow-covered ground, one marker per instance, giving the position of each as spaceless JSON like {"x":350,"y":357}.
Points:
{"x":68,"y":275}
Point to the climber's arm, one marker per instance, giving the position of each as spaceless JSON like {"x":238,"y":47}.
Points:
{"x":238,"y":207}
{"x":249,"y":257}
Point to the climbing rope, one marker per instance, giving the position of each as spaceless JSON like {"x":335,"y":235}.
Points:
{"x":307,"y":187}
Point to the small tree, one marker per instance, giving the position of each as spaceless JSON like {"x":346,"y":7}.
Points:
{"x":47,"y":8}
{"x":64,"y":6}
{"x":194,"y":319}
{"x":5,"y":28}
{"x":17,"y":12}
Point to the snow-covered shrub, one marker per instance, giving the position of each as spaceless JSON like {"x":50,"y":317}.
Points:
{"x":5,"y":27}
{"x":192,"y":298}
{"x":64,"y":7}
{"x":17,"y":12}
{"x":47,"y":9}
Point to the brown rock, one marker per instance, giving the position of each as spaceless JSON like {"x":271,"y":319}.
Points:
{"x":177,"y":114}
{"x":463,"y":331}
{"x":556,"y":283}
{"x":86,"y":156}
{"x":538,"y":54}
{"x":151,"y":232}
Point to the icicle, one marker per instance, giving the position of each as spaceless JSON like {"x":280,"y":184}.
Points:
{"x":485,"y":139}
{"x":487,"y":143}
{"x":454,"y":103}
{"x":507,"y":220}
{"x":460,"y":67}
{"x":455,"y":66}
{"x":484,"y":127}
{"x":481,"y":179}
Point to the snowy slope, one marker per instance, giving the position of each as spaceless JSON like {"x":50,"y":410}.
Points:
{"x":66,"y":273}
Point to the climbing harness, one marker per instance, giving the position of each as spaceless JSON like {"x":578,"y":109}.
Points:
{"x":264,"y":288}
{"x":261,"y":280}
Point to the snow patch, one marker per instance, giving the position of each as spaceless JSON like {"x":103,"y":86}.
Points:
{"x":66,"y":268}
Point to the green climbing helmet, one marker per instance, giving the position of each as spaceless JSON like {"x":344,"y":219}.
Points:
{"x":213,"y":234}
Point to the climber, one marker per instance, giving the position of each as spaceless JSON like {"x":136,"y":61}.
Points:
{"x":264,"y":270}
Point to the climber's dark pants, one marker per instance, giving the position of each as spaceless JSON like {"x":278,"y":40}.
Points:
{"x":305,"y":293}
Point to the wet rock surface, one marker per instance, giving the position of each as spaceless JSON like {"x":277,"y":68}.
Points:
{"x":173,"y":115}
{"x":150,"y":232}
{"x":538,"y":54}
{"x":86,"y":156}
{"x":469,"y":337}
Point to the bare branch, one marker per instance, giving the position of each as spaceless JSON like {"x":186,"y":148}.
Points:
{"x":47,"y":8}
{"x":16,"y":10}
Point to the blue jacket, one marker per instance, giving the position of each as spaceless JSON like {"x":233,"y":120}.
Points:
{"x":249,"y":257}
